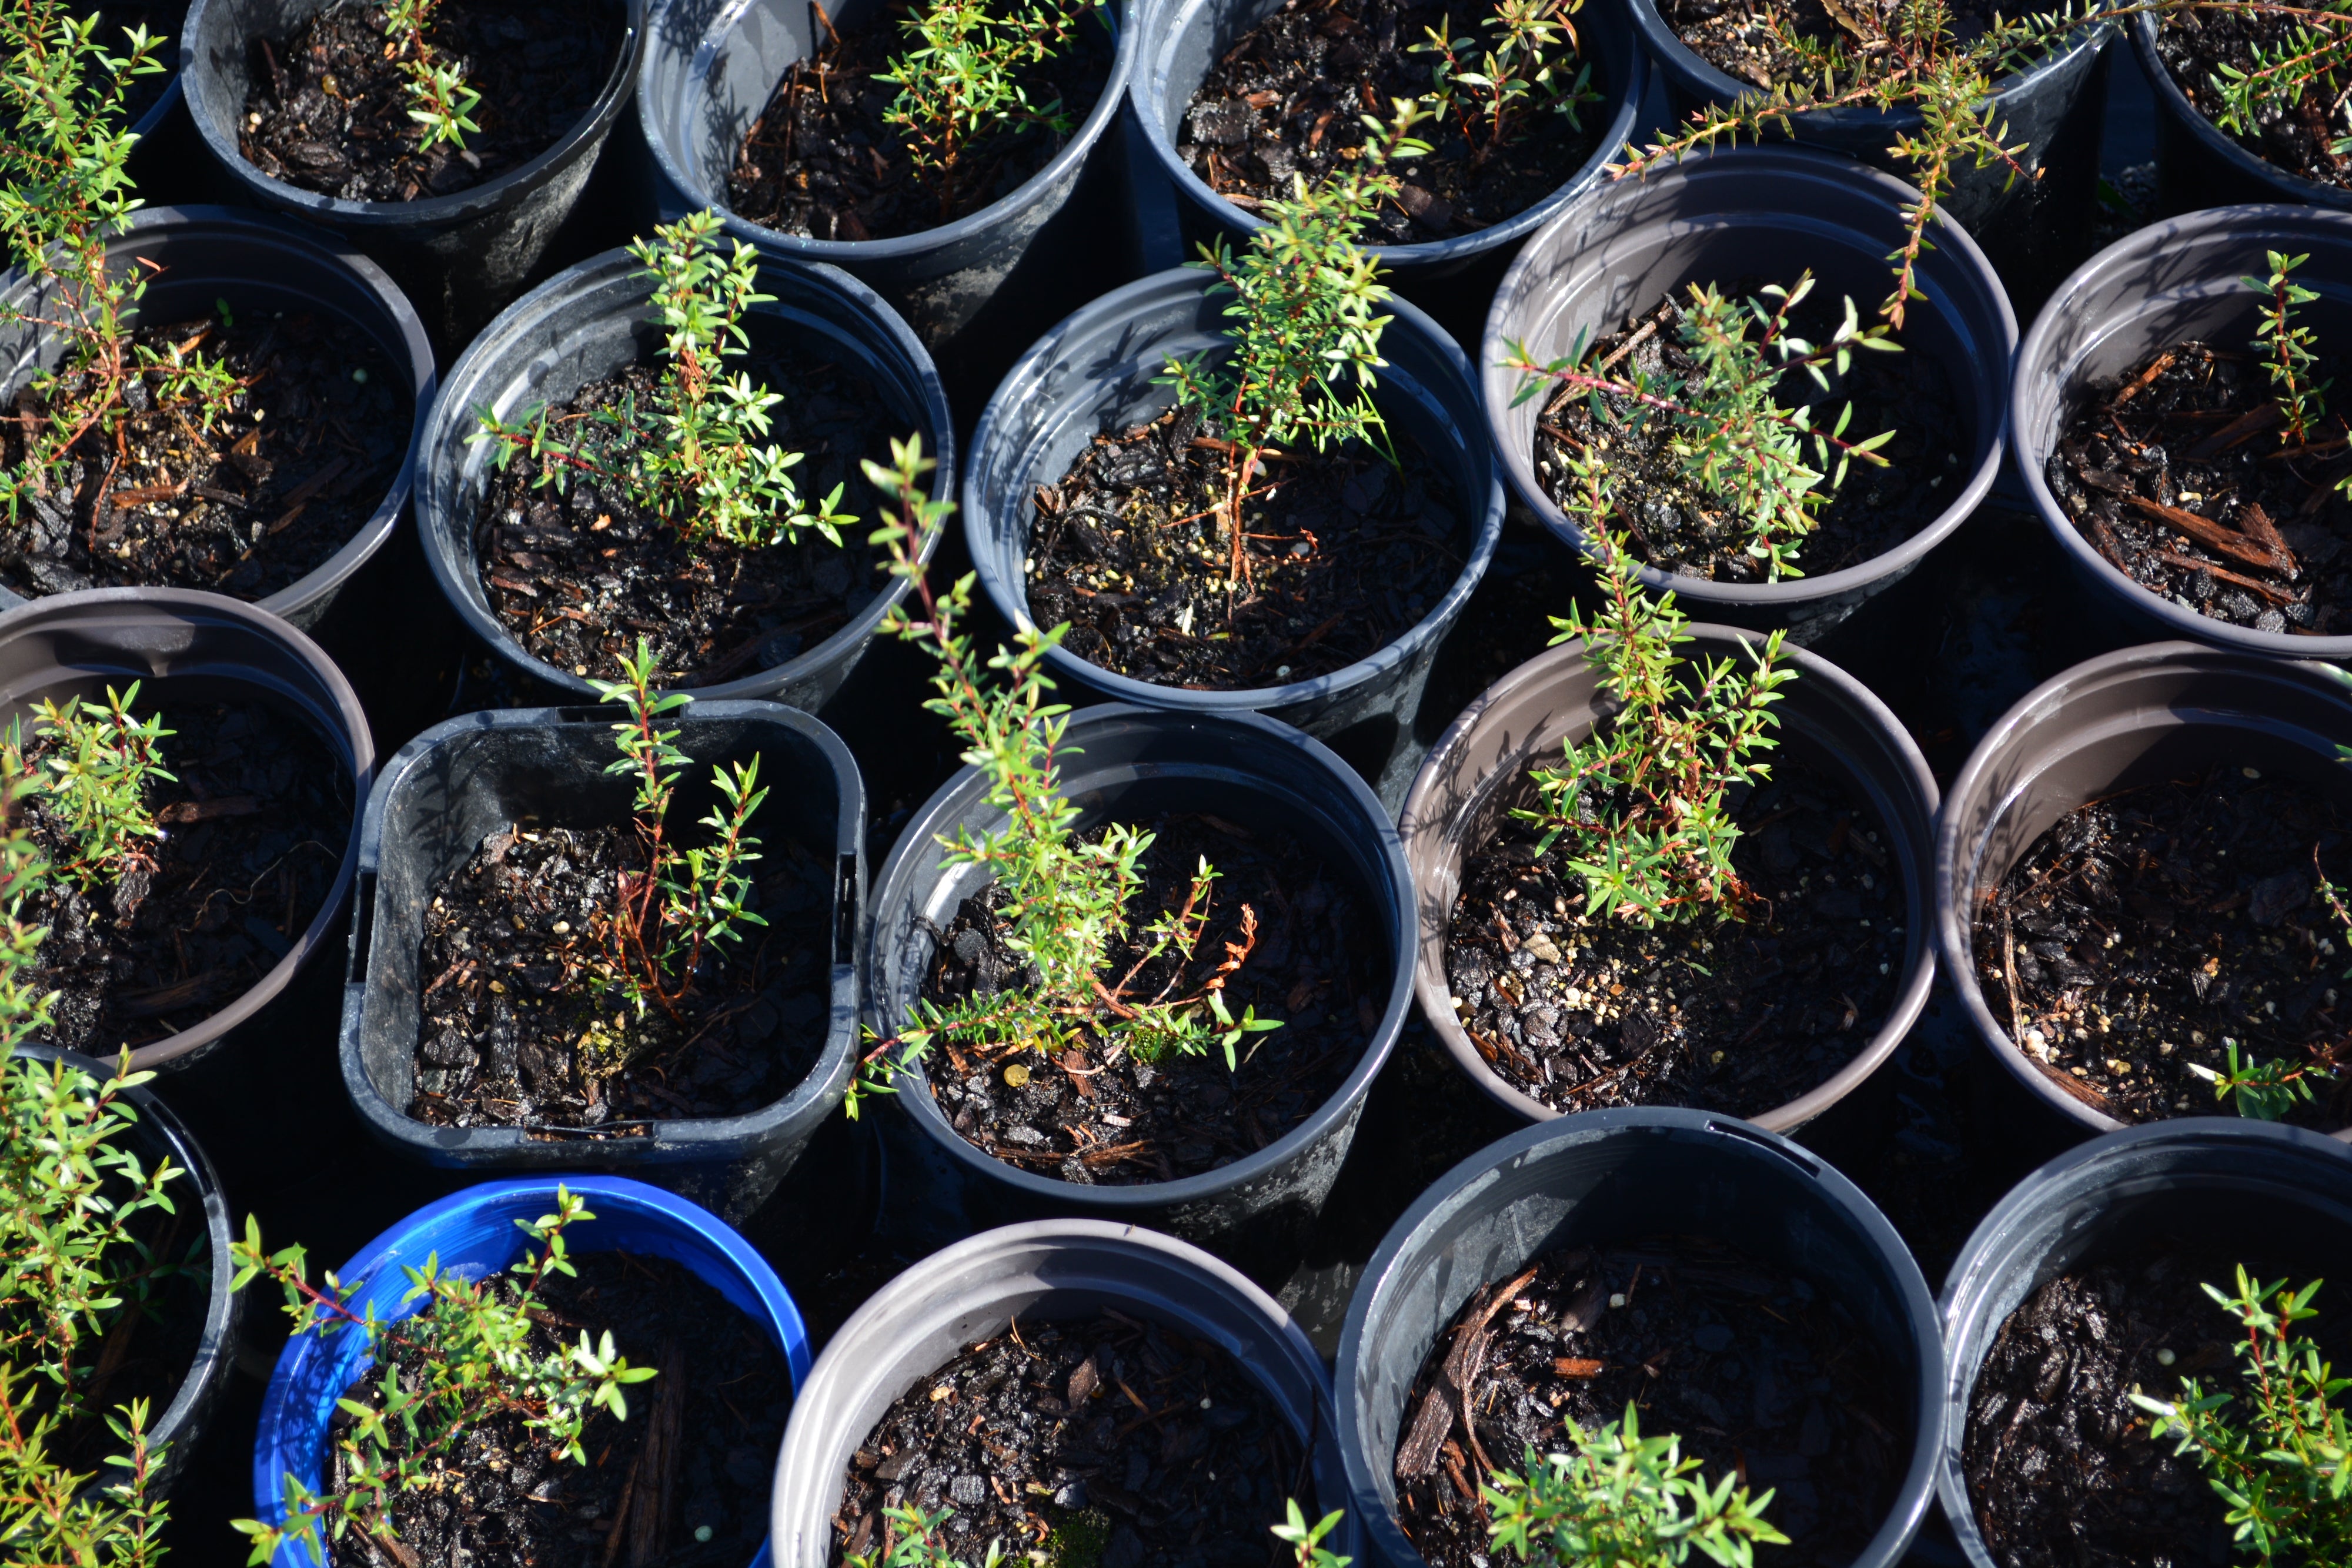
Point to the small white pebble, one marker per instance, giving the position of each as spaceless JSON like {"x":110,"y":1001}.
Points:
{"x":1882,"y":969}
{"x":1617,"y":1299}
{"x":561,"y":928}
{"x":703,"y":1533}
{"x":2164,"y":1357}
{"x":1204,"y":1401}
{"x":359,"y":373}
{"x":2250,"y":773}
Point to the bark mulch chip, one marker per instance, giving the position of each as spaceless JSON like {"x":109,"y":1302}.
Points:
{"x":1753,"y":41}
{"x":2198,"y":46}
{"x":328,"y":109}
{"x":1728,"y":1015}
{"x":2175,"y":474}
{"x":1343,"y":555}
{"x":2143,"y":930}
{"x":1756,"y":1369}
{"x":1096,"y":1441}
{"x":1102,"y":1117}
{"x":698,"y":1450}
{"x":254,"y":831}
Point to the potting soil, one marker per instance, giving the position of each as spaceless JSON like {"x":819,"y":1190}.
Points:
{"x":1761,"y":41}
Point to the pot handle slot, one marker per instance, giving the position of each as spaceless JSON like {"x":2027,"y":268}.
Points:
{"x":355,"y":962}
{"x":1730,"y":1128}
{"x":845,"y":909}
{"x":583,"y":715}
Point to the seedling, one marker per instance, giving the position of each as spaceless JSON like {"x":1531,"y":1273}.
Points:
{"x":92,"y":764}
{"x":1624,"y":1501}
{"x":463,"y":1358}
{"x":913,"y":1538}
{"x":1065,"y":897}
{"x":1306,"y":1540}
{"x":2266,"y":1091}
{"x":1523,"y":74}
{"x":440,"y":100}
{"x":960,"y":84}
{"x":2286,"y":349}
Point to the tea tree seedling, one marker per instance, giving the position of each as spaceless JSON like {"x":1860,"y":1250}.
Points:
{"x":1306,"y":1540}
{"x":93,"y":764}
{"x":2266,"y":1091}
{"x":468,"y":1359}
{"x":960,"y":84}
{"x":440,"y":100}
{"x":912,"y":1539}
{"x":1624,"y":1501}
{"x":2286,"y":348}
{"x":1524,"y":73}
{"x":50,"y":1513}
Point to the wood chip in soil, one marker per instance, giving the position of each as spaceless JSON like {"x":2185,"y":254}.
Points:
{"x":328,"y":109}
{"x":1722,"y":1015}
{"x":1758,"y":1370}
{"x":1104,"y":1440}
{"x":2196,"y":44}
{"x":1096,"y":1115}
{"x":254,"y":834}
{"x":1760,"y":42}
{"x":1343,"y":555}
{"x":2140,"y":931}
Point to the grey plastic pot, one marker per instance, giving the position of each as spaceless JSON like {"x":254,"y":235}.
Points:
{"x":1619,"y":1175}
{"x":185,"y":646}
{"x":2197,"y":165}
{"x":2261,"y":1185}
{"x":1096,"y":372}
{"x":2121,"y":719}
{"x":2171,"y":281}
{"x":1753,"y":212}
{"x":440,"y":795}
{"x":1129,"y":765}
{"x":1044,"y":1271}
{"x":590,"y":321}
{"x":460,"y":257}
{"x":256,"y":263}
{"x":1476,"y":772}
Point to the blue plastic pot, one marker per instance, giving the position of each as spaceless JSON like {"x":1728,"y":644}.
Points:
{"x":474,"y":1232}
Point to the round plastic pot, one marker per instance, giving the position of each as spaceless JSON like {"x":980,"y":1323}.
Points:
{"x":183,"y":646}
{"x":460,"y":257}
{"x":2197,"y":165}
{"x":592,"y":319}
{"x":257,"y":264}
{"x":176,"y":1425}
{"x":1045,"y":1270}
{"x":2136,"y":716}
{"x":1764,"y":213}
{"x":1476,"y":771}
{"x":443,"y":793}
{"x":1096,"y":372}
{"x":2263,"y":1185}
{"x":2172,"y":281}
{"x":1620,"y":1175}
{"x":476,"y":1233}
{"x":1129,"y":765}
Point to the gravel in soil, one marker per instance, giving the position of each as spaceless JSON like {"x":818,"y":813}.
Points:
{"x":1096,"y":1115}
{"x":1724,"y":1015}
{"x":1289,"y":99}
{"x":2144,"y":929}
{"x":1342,"y":555}
{"x":246,"y":507}
{"x":697,"y":1452}
{"x":1097,"y":1440}
{"x":328,"y":107}
{"x":578,"y":576}
{"x":2178,"y":474}
{"x":510,"y":1034}
{"x":821,"y":163}
{"x":1680,"y":525}
{"x":254,"y":831}
{"x":1768,"y":43}
{"x":1756,"y":1369}
{"x":2061,"y":1470}
{"x":2197,"y":45}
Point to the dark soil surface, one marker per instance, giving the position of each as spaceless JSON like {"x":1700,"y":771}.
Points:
{"x":2195,"y":43}
{"x":1343,"y":555}
{"x":511,"y":1035}
{"x":1755,"y":1370}
{"x":162,"y":20}
{"x":1289,"y":97}
{"x":329,"y":112}
{"x":1681,"y":526}
{"x":1738,"y":1016}
{"x":697,"y":1453}
{"x":1102,"y":1117}
{"x":254,"y":832}
{"x":821,"y":163}
{"x":579,"y":577}
{"x":2059,"y":1466}
{"x":2144,"y":929}
{"x":2175,"y":474}
{"x":275,"y":486}
{"x":1756,"y":41}
{"x":1101,"y":1440}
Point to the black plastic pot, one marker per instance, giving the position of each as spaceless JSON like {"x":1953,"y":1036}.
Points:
{"x":256,"y":263}
{"x":2172,"y":281}
{"x":2197,"y":165}
{"x":1129,"y":764}
{"x":460,"y":257}
{"x":2121,"y":719}
{"x":1045,"y":1270}
{"x":1096,"y":372}
{"x":181,"y":645}
{"x":1763,"y":213}
{"x":1617,"y":1176}
{"x":592,"y":319}
{"x":443,"y":792}
{"x":2263,"y":1186}
{"x":1476,"y":771}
